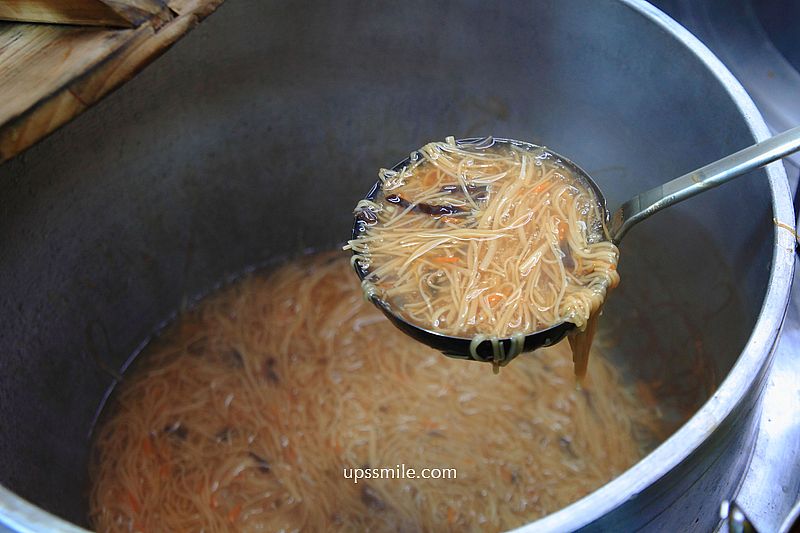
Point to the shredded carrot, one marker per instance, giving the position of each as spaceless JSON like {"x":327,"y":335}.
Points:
{"x":337,"y":447}
{"x":563,"y":227}
{"x":214,"y":501}
{"x":290,"y":454}
{"x":495,"y":298}
{"x":147,"y":446}
{"x":451,"y":515}
{"x":133,"y":502}
{"x":541,"y":187}
{"x":234,"y":513}
{"x":429,"y":424}
{"x":430,"y":178}
{"x":445,"y":259}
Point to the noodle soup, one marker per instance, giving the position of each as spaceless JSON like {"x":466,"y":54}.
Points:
{"x":247,"y":413}
{"x":486,"y":242}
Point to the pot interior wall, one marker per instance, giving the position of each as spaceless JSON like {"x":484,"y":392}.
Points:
{"x":254,"y":136}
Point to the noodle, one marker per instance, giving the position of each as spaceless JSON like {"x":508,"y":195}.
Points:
{"x":486,"y":242}
{"x":244,"y":413}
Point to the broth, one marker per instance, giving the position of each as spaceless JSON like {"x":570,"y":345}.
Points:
{"x":248,"y":412}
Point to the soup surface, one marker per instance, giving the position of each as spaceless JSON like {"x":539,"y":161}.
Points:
{"x":265,"y":407}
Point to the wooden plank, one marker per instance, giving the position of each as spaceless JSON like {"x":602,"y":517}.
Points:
{"x":50,"y":74}
{"x":37,"y":58}
{"x":90,"y":12}
{"x":140,"y":49}
{"x":113,"y":13}
{"x":17,"y":136}
{"x":199,"y":7}
{"x":139,"y":11}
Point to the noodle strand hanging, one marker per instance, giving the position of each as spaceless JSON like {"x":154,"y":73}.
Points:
{"x":487,"y":242}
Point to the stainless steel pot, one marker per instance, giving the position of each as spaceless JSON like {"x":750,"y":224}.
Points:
{"x":277,"y":114}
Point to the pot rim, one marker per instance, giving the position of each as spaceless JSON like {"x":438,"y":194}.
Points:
{"x":20,"y":515}
{"x":756,"y":355}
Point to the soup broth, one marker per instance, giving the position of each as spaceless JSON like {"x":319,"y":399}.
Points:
{"x":248,"y":413}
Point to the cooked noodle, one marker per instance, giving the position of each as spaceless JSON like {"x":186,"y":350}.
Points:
{"x":244,"y":413}
{"x":491,"y":242}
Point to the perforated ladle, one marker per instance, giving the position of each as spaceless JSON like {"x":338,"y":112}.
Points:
{"x":619,"y":222}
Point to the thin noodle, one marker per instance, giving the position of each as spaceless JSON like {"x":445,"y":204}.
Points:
{"x":244,"y":414}
{"x":480,"y":218}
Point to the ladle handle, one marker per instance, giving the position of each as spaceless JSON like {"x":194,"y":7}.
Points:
{"x":645,"y":204}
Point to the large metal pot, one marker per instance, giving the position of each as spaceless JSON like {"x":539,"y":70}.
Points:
{"x":253,"y":137}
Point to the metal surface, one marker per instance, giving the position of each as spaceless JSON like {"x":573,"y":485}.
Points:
{"x":273,"y":114}
{"x":757,"y":40}
{"x":734,"y":518}
{"x":714,"y":174}
{"x":772,"y":483}
{"x":792,"y":520}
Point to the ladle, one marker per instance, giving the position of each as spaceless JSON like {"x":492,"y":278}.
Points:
{"x":619,"y":223}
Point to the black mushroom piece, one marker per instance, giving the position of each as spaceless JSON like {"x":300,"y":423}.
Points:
{"x":437,"y":210}
{"x":235,"y":358}
{"x":566,"y":255}
{"x":261,"y":463}
{"x":268,"y":371}
{"x":223,"y":435}
{"x":176,"y":429}
{"x":367,"y":216}
{"x":371,"y":499}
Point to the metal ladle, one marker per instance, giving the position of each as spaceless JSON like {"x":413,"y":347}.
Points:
{"x":619,"y":223}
